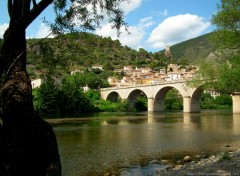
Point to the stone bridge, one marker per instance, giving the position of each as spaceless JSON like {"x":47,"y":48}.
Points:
{"x":155,"y":94}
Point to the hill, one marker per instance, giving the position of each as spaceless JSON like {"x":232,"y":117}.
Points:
{"x":193,"y":50}
{"x":78,"y":51}
{"x":82,"y":50}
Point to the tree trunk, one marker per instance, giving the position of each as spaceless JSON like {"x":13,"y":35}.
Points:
{"x":28,"y":144}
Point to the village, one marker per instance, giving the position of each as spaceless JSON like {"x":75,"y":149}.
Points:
{"x":133,"y":76}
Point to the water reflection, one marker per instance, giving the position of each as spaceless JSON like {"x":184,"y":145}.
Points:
{"x":135,"y":139}
{"x":236,"y":124}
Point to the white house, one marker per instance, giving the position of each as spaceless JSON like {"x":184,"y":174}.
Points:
{"x":36,"y":83}
{"x":171,"y":76}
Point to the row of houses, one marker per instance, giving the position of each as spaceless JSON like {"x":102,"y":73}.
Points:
{"x":148,"y":76}
{"x":142,"y":75}
{"x":136,"y":75}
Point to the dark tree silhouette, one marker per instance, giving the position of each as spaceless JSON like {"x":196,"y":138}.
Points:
{"x":28,"y":144}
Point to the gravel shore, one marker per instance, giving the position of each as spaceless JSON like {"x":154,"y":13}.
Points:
{"x":223,"y":164}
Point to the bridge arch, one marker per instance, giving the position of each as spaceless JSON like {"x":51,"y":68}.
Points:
{"x":195,"y":100}
{"x":133,"y":95}
{"x":113,"y":96}
{"x":159,"y":99}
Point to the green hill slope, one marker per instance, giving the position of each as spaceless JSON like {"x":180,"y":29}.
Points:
{"x":82,"y":50}
{"x":195,"y":49}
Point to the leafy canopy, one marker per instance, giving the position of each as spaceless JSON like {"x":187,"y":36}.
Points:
{"x":227,"y":21}
{"x":76,"y":15}
{"x":223,"y":72}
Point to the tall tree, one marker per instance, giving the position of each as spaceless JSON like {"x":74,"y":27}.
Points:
{"x":27,"y":143}
{"x":222,"y":73}
{"x":227,"y":20}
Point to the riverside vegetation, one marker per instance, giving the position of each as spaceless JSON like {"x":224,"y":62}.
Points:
{"x":69,"y":97}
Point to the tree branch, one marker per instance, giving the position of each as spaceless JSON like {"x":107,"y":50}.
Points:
{"x":26,"y":8}
{"x":10,"y":6}
{"x":37,"y":10}
{"x":34,"y":3}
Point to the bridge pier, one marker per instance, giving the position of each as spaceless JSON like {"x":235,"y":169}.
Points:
{"x":155,"y":106}
{"x":150,"y":104}
{"x":236,"y":102}
{"x":191,"y":104}
{"x":187,"y":104}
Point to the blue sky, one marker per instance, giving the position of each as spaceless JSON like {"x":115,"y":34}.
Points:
{"x":153,"y":24}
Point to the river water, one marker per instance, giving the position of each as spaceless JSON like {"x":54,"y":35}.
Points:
{"x":126,"y":143}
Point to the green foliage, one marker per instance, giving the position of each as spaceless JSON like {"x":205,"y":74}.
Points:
{"x":223,"y":73}
{"x":229,"y":75}
{"x":193,"y":50}
{"x":141,"y":104}
{"x":81,"y":50}
{"x":45,"y":98}
{"x":74,"y":101}
{"x":109,"y":106}
{"x":207,"y":101}
{"x":225,"y":156}
{"x":173,"y":101}
{"x":68,"y":97}
{"x":220,"y":102}
{"x":87,"y":13}
{"x":93,"y":95}
{"x":223,"y":101}
{"x":227,"y":21}
{"x":223,"y":76}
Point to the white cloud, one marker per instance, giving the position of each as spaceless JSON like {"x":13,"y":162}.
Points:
{"x":176,"y":29}
{"x":146,"y":22}
{"x":42,"y":32}
{"x":134,"y":39}
{"x":3,"y":28}
{"x":163,"y":13}
{"x":130,"y":6}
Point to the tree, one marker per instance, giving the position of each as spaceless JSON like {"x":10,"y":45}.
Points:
{"x":227,"y":21}
{"x":222,"y":73}
{"x":27,"y":143}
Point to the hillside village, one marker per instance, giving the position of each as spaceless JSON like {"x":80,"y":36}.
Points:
{"x":136,"y":75}
{"x":133,"y":76}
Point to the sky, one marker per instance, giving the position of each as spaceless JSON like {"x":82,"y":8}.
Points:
{"x":153,"y":24}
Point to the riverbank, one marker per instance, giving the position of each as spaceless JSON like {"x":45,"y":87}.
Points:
{"x":223,"y":164}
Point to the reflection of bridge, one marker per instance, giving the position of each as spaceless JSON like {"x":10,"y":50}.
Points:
{"x":155,"y":94}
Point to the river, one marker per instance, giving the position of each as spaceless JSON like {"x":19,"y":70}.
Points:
{"x":125,"y":143}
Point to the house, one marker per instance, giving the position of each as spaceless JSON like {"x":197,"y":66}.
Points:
{"x":172,"y":76}
{"x":76,"y":71}
{"x":212,"y":92}
{"x":113,"y":81}
{"x":127,"y":68}
{"x":173,"y":67}
{"x":36,"y":83}
{"x":97,"y":67}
